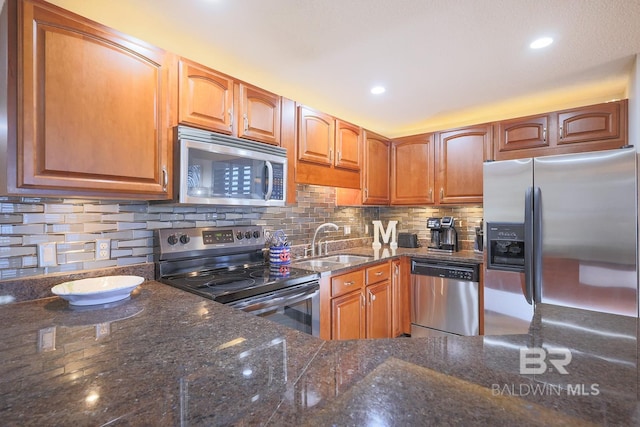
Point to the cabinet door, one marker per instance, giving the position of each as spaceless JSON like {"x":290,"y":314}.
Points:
{"x":206,"y":98}
{"x":348,"y":317}
{"x":522,"y":134}
{"x":460,"y":155}
{"x":602,"y":122}
{"x":379,"y":318}
{"x":412,"y":174}
{"x":348,"y":146}
{"x":396,"y":299}
{"x":259,"y":114}
{"x":316,"y":136}
{"x":377,"y":157}
{"x":94,"y":111}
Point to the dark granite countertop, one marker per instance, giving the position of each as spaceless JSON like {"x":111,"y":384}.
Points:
{"x":167,"y":357}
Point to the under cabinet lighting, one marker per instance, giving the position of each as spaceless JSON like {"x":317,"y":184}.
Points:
{"x":377,"y":90}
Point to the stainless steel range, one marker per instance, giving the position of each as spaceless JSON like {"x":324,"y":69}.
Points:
{"x":227,"y":265}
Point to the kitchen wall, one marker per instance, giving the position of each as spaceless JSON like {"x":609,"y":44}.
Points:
{"x":74,"y":225}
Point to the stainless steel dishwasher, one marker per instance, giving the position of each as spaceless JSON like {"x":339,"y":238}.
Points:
{"x":445,"y":298}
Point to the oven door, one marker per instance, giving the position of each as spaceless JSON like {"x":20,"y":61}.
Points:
{"x":297,"y":307}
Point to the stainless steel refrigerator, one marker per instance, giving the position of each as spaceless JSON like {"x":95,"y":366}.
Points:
{"x":561,"y":230}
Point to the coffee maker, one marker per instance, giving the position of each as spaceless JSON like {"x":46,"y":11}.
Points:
{"x":444,"y":236}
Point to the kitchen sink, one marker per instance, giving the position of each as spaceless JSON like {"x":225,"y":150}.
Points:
{"x":345,"y":259}
{"x":330,"y":262}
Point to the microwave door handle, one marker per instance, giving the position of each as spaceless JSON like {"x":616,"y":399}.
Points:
{"x":269,"y":183}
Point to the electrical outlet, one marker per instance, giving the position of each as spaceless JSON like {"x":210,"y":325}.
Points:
{"x":347,"y":230}
{"x":103,"y":249}
{"x":47,"y":254}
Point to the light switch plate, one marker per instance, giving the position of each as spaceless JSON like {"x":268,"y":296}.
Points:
{"x":47,"y":254}
{"x":103,"y":249}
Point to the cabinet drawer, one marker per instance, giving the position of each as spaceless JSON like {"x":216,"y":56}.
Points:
{"x":378,"y":273}
{"x":347,"y":282}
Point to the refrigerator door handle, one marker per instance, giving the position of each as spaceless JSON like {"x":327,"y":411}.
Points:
{"x":537,"y":244}
{"x":528,"y":244}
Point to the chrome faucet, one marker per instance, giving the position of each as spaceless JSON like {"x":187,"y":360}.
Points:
{"x":315,"y":235}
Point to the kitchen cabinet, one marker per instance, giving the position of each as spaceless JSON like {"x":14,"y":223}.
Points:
{"x":259,"y":114}
{"x":217,"y":102}
{"x":328,"y":150}
{"x":378,"y":294}
{"x":397,"y":298}
{"x":206,"y":98}
{"x":589,"y":128}
{"x":88,"y":108}
{"x":377,"y":165}
{"x":357,"y":304}
{"x":412,"y":170}
{"x":460,"y":154}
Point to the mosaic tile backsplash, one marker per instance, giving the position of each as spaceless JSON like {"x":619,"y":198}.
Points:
{"x":72,"y":227}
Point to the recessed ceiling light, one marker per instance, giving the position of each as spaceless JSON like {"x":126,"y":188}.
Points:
{"x":377,"y":90}
{"x":541,"y":42}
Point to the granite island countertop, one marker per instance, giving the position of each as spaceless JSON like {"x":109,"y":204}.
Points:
{"x":167,"y":357}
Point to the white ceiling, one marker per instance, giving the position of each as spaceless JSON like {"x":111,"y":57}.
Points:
{"x":443,"y":62}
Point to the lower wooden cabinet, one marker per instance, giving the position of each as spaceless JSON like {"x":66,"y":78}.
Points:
{"x":348,"y":317}
{"x":361,"y":303}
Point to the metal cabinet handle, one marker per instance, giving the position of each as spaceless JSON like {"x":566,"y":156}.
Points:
{"x":246,"y":122}
{"x":230,"y":116}
{"x":373,"y":297}
{"x":441,"y":194}
{"x":430,"y":193}
{"x":330,"y":154}
{"x":362,"y":300}
{"x":544,"y":134}
{"x":561,"y":133}
{"x":349,"y":283}
{"x":165,"y":178}
{"x":339,"y":155}
{"x":396,"y":270}
{"x":379,"y":273}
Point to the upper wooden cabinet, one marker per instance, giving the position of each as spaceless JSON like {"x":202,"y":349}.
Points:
{"x":523,"y":133}
{"x":88,"y":108}
{"x":377,"y":165}
{"x":460,"y":155}
{"x":260,"y":113}
{"x":206,"y":97}
{"x":214,"y":101}
{"x":316,"y":136}
{"x":603,"y":125}
{"x":590,"y":128}
{"x":412,"y":170}
{"x":329,"y":151}
{"x":348,"y":146}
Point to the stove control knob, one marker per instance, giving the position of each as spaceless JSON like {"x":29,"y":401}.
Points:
{"x":184,"y":239}
{"x":256,"y":234}
{"x":247,"y":234}
{"x":239,"y":235}
{"x":173,"y":239}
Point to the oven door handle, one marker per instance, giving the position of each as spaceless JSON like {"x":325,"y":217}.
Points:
{"x":278,"y":300}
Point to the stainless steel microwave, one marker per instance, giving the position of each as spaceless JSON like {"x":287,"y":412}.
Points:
{"x":222,"y":170}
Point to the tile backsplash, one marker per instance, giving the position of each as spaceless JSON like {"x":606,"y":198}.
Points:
{"x":73,"y":226}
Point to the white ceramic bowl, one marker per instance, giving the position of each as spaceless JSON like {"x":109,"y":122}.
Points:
{"x":97,"y":290}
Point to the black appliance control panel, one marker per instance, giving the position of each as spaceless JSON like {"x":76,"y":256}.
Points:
{"x":446,"y":269}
